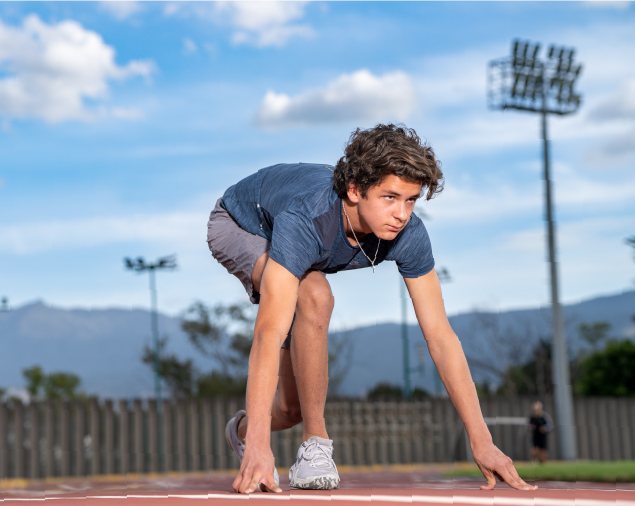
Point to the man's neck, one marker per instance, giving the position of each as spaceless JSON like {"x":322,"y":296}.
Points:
{"x":353,"y":216}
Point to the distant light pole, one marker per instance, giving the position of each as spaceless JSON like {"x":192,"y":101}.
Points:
{"x":4,"y":305}
{"x":139,"y":265}
{"x":525,"y":82}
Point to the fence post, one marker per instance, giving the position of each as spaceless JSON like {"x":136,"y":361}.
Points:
{"x":168,"y":452}
{"x":94,"y":437}
{"x":195,"y":452}
{"x":138,"y":436}
{"x":49,"y":439}
{"x":65,"y":443}
{"x":181,"y":449}
{"x":109,"y":437}
{"x":208,"y":449}
{"x":124,"y":436}
{"x":153,"y":431}
{"x":18,"y":427}
{"x":4,"y":442}
{"x":219,"y":448}
{"x":34,"y":419}
{"x":80,"y":431}
{"x":626,"y":427}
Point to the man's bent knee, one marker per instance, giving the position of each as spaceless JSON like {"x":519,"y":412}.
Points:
{"x":315,"y":295}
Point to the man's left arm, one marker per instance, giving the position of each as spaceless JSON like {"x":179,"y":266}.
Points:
{"x":447,"y":354}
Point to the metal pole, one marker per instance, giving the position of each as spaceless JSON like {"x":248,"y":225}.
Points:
{"x":154,"y":322}
{"x":404,"y":337}
{"x":559,"y":358}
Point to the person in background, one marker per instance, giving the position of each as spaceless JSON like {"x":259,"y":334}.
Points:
{"x":540,"y":424}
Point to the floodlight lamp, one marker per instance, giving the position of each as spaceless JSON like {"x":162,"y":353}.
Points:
{"x":515,"y":47}
{"x":552,"y":48}
{"x":525,"y":47}
{"x":536,"y":49}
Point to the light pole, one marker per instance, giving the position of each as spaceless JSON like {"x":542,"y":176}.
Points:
{"x":525,"y":82}
{"x":4,"y":305}
{"x":139,"y":265}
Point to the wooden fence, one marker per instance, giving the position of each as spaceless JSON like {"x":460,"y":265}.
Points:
{"x":82,"y":438}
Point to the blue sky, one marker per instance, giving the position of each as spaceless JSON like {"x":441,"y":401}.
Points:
{"x":121,"y":124}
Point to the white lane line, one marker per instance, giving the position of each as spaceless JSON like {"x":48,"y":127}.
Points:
{"x":456,"y":499}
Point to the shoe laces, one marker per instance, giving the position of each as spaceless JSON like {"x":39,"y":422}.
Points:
{"x":320,"y":456}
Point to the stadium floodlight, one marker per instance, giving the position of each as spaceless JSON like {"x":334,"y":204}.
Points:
{"x":139,"y":265}
{"x":4,"y":305}
{"x":547,"y":88}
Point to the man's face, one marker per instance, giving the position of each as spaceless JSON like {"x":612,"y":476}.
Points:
{"x":387,"y":207}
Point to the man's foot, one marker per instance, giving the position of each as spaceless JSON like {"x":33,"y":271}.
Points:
{"x":238,"y":446}
{"x":314,"y":467}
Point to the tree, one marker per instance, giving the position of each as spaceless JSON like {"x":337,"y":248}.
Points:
{"x":610,"y":372}
{"x":57,"y":385}
{"x":500,"y":351}
{"x":61,"y":385}
{"x":223,"y":333}
{"x":385,"y":392}
{"x":594,"y":333}
{"x":177,"y":374}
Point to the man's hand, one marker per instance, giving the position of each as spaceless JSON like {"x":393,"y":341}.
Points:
{"x":493,"y":463}
{"x":256,"y":467}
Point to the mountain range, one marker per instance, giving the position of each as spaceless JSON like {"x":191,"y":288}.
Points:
{"x":104,"y":346}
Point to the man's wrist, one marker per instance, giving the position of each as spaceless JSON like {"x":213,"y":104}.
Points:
{"x":258,"y":430}
{"x":479,"y":436}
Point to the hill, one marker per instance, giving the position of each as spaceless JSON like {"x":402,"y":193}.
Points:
{"x":104,"y":346}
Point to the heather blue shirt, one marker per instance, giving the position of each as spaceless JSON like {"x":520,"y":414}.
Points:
{"x":295,"y":207}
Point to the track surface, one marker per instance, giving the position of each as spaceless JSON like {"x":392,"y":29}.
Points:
{"x":382,"y":487}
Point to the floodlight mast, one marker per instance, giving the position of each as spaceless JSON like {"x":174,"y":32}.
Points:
{"x":528,"y":83}
{"x":139,"y":265}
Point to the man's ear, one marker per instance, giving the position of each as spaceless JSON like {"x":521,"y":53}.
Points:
{"x":353,"y":193}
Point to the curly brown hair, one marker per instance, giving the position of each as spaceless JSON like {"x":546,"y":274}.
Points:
{"x":372,"y":155}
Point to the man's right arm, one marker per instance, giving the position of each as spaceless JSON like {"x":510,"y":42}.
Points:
{"x":278,"y":297}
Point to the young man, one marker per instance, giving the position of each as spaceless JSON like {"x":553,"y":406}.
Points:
{"x":279,"y":231}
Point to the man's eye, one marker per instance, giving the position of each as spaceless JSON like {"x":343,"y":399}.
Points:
{"x":389,"y":197}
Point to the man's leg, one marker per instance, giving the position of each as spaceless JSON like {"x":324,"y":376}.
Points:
{"x":302,"y":387}
{"x":309,"y":351}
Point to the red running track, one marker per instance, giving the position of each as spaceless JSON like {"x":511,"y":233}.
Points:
{"x":383,"y":488}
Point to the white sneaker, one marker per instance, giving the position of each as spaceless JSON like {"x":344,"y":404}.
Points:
{"x":314,"y":467}
{"x":237,"y":445}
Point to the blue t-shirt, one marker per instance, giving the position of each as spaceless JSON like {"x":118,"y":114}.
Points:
{"x":295,"y":207}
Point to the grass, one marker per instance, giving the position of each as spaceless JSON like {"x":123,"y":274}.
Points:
{"x":620,"y":471}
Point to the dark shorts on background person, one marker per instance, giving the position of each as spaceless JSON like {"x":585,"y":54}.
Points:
{"x":539,"y":440}
{"x":237,"y":250}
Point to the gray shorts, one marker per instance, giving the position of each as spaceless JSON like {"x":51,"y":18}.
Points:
{"x":237,"y":250}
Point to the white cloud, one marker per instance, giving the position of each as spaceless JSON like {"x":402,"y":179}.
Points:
{"x":53,"y":68}
{"x":189,"y":46}
{"x":360,"y":96}
{"x":260,"y":24}
{"x":619,"y":105}
{"x":620,"y":5}
{"x":490,"y":200}
{"x":121,"y":9}
{"x":180,"y":228}
{"x":127,"y":113}
{"x":266,"y":23}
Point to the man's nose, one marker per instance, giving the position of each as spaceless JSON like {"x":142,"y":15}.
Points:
{"x":401,"y":212}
